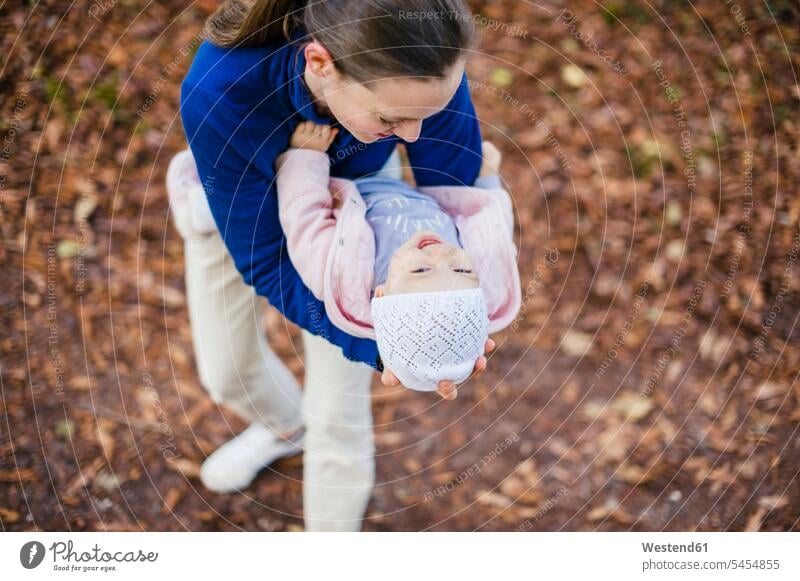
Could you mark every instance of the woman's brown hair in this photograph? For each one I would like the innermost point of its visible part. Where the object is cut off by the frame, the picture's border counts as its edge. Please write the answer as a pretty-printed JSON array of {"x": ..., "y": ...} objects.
[{"x": 367, "y": 39}]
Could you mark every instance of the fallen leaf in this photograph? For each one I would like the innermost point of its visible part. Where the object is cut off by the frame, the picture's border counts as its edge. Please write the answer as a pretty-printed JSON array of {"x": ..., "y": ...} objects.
[
  {"x": 573, "y": 76},
  {"x": 673, "y": 213},
  {"x": 593, "y": 409},
  {"x": 754, "y": 520},
  {"x": 610, "y": 509},
  {"x": 8, "y": 516},
  {"x": 674, "y": 250},
  {"x": 68, "y": 249},
  {"x": 172, "y": 297},
  {"x": 105, "y": 438},
  {"x": 495, "y": 499},
  {"x": 501, "y": 77},
  {"x": 171, "y": 500},
  {"x": 189, "y": 468},
  {"x": 773, "y": 502},
  {"x": 770, "y": 390},
  {"x": 106, "y": 481},
  {"x": 65, "y": 429},
  {"x": 575, "y": 343},
  {"x": 84, "y": 208},
  {"x": 389, "y": 438},
  {"x": 632, "y": 406},
  {"x": 633, "y": 474}
]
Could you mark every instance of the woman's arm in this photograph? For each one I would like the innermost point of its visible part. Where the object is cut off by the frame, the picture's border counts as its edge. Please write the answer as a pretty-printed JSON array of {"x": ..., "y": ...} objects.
[
  {"x": 245, "y": 208},
  {"x": 448, "y": 151}
]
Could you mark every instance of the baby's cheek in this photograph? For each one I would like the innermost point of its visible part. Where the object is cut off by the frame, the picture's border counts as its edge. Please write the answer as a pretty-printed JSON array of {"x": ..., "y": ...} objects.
[
  {"x": 400, "y": 263},
  {"x": 393, "y": 276}
]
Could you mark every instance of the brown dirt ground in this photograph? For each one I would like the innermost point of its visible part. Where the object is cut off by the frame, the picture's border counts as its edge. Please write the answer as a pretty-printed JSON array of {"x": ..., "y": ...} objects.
[{"x": 677, "y": 410}]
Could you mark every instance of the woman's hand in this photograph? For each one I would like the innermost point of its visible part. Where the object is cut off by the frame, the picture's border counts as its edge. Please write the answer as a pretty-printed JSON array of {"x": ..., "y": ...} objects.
[
  {"x": 309, "y": 135},
  {"x": 447, "y": 389}
]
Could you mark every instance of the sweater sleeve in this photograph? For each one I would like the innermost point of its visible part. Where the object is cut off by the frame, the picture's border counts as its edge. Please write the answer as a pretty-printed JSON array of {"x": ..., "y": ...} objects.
[
  {"x": 448, "y": 151},
  {"x": 306, "y": 213},
  {"x": 244, "y": 204},
  {"x": 492, "y": 182}
]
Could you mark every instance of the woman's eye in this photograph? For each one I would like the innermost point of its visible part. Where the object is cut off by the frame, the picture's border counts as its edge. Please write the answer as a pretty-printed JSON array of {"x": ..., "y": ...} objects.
[
  {"x": 418, "y": 270},
  {"x": 462, "y": 270}
]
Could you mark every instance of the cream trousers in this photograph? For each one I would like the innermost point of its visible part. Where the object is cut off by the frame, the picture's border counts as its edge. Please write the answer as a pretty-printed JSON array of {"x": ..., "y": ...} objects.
[{"x": 239, "y": 370}]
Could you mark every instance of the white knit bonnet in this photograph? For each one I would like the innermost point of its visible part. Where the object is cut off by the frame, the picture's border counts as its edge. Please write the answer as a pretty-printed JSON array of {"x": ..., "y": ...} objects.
[{"x": 426, "y": 337}]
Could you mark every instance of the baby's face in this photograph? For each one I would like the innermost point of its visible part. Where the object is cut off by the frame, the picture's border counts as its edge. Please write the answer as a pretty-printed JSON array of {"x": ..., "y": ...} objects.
[{"x": 426, "y": 263}]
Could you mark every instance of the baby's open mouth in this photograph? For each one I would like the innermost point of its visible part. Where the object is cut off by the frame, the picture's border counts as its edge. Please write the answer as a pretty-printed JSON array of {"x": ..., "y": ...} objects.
[{"x": 427, "y": 241}]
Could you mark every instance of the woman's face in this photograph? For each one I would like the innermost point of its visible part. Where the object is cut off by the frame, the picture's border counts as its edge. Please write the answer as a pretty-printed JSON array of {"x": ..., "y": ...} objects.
[{"x": 378, "y": 109}]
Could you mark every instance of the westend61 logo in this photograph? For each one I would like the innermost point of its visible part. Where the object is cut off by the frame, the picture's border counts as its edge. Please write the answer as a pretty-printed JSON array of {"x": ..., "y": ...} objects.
[{"x": 65, "y": 558}]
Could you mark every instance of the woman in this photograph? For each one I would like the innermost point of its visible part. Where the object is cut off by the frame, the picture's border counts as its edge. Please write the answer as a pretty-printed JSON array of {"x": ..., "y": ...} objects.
[{"x": 380, "y": 72}]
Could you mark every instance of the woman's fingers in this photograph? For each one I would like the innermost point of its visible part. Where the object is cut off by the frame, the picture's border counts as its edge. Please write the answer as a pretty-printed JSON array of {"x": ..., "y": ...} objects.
[
  {"x": 480, "y": 366},
  {"x": 389, "y": 379},
  {"x": 447, "y": 389},
  {"x": 480, "y": 362}
]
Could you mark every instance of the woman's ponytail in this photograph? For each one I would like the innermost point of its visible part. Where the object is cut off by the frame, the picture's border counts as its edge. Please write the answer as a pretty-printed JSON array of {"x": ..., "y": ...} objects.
[
  {"x": 367, "y": 39},
  {"x": 253, "y": 22}
]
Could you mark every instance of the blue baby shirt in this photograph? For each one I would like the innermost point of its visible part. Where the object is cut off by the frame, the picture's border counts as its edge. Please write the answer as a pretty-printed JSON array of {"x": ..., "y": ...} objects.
[{"x": 396, "y": 211}]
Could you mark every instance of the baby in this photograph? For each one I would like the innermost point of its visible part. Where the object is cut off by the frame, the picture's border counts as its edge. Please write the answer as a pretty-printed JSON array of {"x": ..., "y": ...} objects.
[{"x": 428, "y": 273}]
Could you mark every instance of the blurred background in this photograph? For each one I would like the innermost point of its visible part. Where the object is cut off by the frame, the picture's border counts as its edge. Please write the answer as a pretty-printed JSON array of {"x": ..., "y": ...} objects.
[{"x": 649, "y": 382}]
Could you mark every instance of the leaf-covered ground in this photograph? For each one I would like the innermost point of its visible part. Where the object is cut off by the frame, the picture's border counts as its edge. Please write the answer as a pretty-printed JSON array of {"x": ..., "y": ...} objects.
[{"x": 649, "y": 383}]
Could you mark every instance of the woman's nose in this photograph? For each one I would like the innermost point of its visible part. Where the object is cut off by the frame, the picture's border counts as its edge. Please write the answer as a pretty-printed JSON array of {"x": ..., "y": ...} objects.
[{"x": 408, "y": 131}]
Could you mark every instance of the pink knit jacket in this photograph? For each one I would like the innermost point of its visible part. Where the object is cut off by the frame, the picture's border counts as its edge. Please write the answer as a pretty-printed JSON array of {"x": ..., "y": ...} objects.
[{"x": 333, "y": 250}]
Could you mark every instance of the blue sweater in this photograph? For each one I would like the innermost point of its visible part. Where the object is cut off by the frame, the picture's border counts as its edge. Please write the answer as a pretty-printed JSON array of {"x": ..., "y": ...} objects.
[{"x": 239, "y": 108}]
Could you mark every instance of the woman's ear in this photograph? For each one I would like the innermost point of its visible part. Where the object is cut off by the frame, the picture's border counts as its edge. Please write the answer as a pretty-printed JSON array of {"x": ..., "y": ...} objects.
[
  {"x": 380, "y": 290},
  {"x": 318, "y": 59}
]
